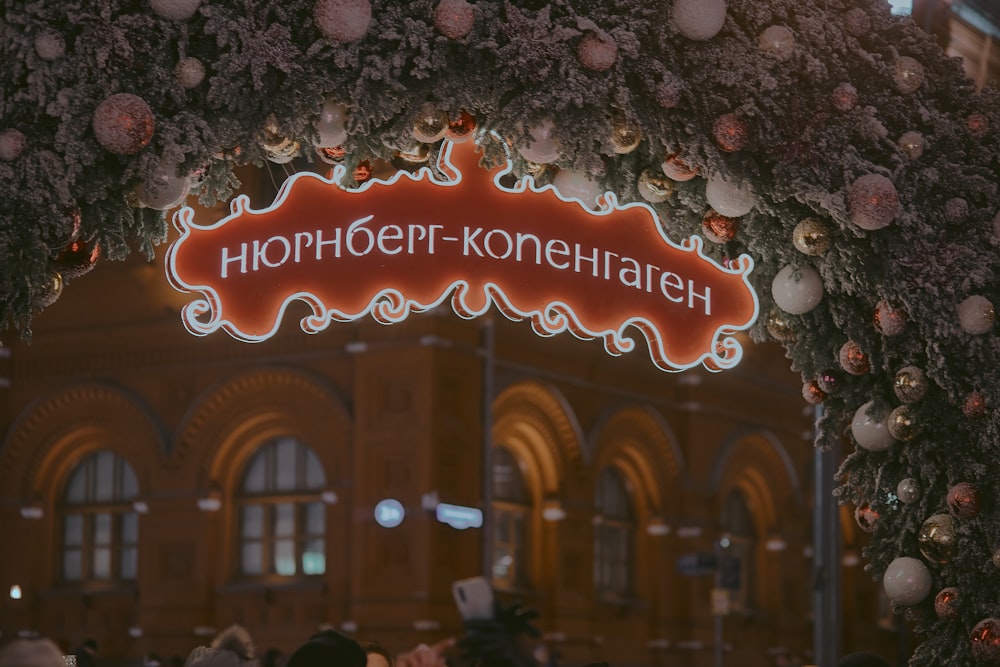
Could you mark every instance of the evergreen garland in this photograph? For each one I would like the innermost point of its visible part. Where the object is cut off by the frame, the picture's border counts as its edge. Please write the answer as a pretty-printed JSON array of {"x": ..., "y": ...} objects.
[{"x": 797, "y": 101}]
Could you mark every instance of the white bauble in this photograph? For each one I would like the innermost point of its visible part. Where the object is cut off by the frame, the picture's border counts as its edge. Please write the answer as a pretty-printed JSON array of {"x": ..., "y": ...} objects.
[
  {"x": 699, "y": 19},
  {"x": 189, "y": 73},
  {"x": 164, "y": 188},
  {"x": 976, "y": 315},
  {"x": 908, "y": 490},
  {"x": 907, "y": 581},
  {"x": 544, "y": 149},
  {"x": 777, "y": 40},
  {"x": 729, "y": 200},
  {"x": 175, "y": 10},
  {"x": 330, "y": 125},
  {"x": 871, "y": 433},
  {"x": 577, "y": 185},
  {"x": 797, "y": 290}
]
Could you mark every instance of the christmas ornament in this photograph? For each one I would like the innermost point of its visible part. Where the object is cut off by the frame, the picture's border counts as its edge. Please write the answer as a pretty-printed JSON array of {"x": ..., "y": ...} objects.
[
  {"x": 853, "y": 359},
  {"x": 871, "y": 432},
  {"x": 654, "y": 189},
  {"x": 12, "y": 144},
  {"x": 907, "y": 490},
  {"x": 866, "y": 517},
  {"x": 889, "y": 319},
  {"x": 812, "y": 393},
  {"x": 907, "y": 74},
  {"x": 331, "y": 154},
  {"x": 976, "y": 315},
  {"x": 856, "y": 22},
  {"x": 872, "y": 202},
  {"x": 573, "y": 184},
  {"x": 974, "y": 405},
  {"x": 164, "y": 188},
  {"x": 189, "y": 73},
  {"x": 844, "y": 97},
  {"x": 936, "y": 538},
  {"x": 417, "y": 154},
  {"x": 278, "y": 148},
  {"x": 903, "y": 423},
  {"x": 50, "y": 45},
  {"x": 123, "y": 123},
  {"x": 946, "y": 603},
  {"x": 49, "y": 292},
  {"x": 963, "y": 501},
  {"x": 677, "y": 170},
  {"x": 543, "y": 149},
  {"x": 719, "y": 228},
  {"x": 362, "y": 172},
  {"x": 978, "y": 125},
  {"x": 828, "y": 381},
  {"x": 797, "y": 290},
  {"x": 431, "y": 124},
  {"x": 910, "y": 384},
  {"x": 730, "y": 132},
  {"x": 668, "y": 91},
  {"x": 699, "y": 19},
  {"x": 77, "y": 259},
  {"x": 912, "y": 144},
  {"x": 343, "y": 21},
  {"x": 907, "y": 581},
  {"x": 625, "y": 136},
  {"x": 461, "y": 129},
  {"x": 777, "y": 41},
  {"x": 779, "y": 326},
  {"x": 729, "y": 199},
  {"x": 175, "y": 10},
  {"x": 596, "y": 53},
  {"x": 330, "y": 124},
  {"x": 534, "y": 169},
  {"x": 811, "y": 237},
  {"x": 454, "y": 18},
  {"x": 985, "y": 642}
]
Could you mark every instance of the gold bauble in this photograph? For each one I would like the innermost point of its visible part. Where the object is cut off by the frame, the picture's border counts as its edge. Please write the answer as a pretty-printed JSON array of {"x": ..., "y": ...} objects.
[
  {"x": 779, "y": 327},
  {"x": 535, "y": 169},
  {"x": 937, "y": 538},
  {"x": 625, "y": 136},
  {"x": 811, "y": 237},
  {"x": 902, "y": 423},
  {"x": 910, "y": 384},
  {"x": 284, "y": 152},
  {"x": 417, "y": 154},
  {"x": 50, "y": 292},
  {"x": 654, "y": 188},
  {"x": 430, "y": 125}
]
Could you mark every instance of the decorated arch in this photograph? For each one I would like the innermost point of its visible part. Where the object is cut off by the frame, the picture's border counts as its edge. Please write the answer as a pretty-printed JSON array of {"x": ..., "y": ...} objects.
[{"x": 832, "y": 142}]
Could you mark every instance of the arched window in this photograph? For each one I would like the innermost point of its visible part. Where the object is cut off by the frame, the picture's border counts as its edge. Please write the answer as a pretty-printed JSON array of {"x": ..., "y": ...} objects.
[
  {"x": 511, "y": 521},
  {"x": 739, "y": 528},
  {"x": 282, "y": 527},
  {"x": 614, "y": 535},
  {"x": 100, "y": 529}
]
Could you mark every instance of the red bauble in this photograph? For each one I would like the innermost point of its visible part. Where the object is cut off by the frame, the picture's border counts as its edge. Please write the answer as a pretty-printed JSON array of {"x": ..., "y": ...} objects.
[
  {"x": 597, "y": 53},
  {"x": 461, "y": 129},
  {"x": 985, "y": 640},
  {"x": 812, "y": 393},
  {"x": 454, "y": 18},
  {"x": 890, "y": 320},
  {"x": 975, "y": 405},
  {"x": 828, "y": 381},
  {"x": 123, "y": 123},
  {"x": 844, "y": 97},
  {"x": 963, "y": 500},
  {"x": 946, "y": 604},
  {"x": 866, "y": 517},
  {"x": 719, "y": 228},
  {"x": 363, "y": 171},
  {"x": 853, "y": 360},
  {"x": 77, "y": 258},
  {"x": 331, "y": 154},
  {"x": 677, "y": 170},
  {"x": 978, "y": 125},
  {"x": 730, "y": 132}
]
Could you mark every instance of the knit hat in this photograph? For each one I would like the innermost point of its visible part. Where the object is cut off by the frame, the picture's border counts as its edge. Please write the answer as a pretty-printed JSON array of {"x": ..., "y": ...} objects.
[
  {"x": 328, "y": 649},
  {"x": 232, "y": 648},
  {"x": 31, "y": 653}
]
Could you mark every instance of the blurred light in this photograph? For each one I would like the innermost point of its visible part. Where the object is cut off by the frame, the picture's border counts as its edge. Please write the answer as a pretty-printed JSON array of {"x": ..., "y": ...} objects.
[
  {"x": 775, "y": 543},
  {"x": 901, "y": 7},
  {"x": 329, "y": 497},
  {"x": 426, "y": 625},
  {"x": 389, "y": 513},
  {"x": 553, "y": 511},
  {"x": 32, "y": 512},
  {"x": 15, "y": 592},
  {"x": 140, "y": 507},
  {"x": 689, "y": 531},
  {"x": 135, "y": 631},
  {"x": 850, "y": 559},
  {"x": 657, "y": 527},
  {"x": 349, "y": 626},
  {"x": 724, "y": 542},
  {"x": 458, "y": 516}
]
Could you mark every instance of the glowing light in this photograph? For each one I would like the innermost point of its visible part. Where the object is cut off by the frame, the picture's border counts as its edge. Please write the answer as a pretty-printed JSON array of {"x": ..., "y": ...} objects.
[
  {"x": 15, "y": 592},
  {"x": 389, "y": 513}
]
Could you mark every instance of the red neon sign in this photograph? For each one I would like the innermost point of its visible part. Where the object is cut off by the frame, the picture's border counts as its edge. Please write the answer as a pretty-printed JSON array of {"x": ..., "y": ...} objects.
[{"x": 406, "y": 245}]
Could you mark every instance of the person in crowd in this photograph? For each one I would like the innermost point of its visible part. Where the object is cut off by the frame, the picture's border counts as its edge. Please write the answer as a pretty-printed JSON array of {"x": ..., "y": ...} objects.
[
  {"x": 31, "y": 653},
  {"x": 232, "y": 648},
  {"x": 273, "y": 657},
  {"x": 328, "y": 649},
  {"x": 435, "y": 655},
  {"x": 86, "y": 654},
  {"x": 863, "y": 659},
  {"x": 378, "y": 655}
]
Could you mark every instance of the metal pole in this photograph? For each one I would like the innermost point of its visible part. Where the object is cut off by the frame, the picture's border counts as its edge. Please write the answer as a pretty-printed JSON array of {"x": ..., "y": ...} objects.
[
  {"x": 718, "y": 617},
  {"x": 827, "y": 601},
  {"x": 489, "y": 380}
]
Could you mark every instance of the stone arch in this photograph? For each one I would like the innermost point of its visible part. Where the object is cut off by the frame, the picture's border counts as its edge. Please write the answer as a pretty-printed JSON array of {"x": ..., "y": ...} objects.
[
  {"x": 643, "y": 446},
  {"x": 226, "y": 425},
  {"x": 536, "y": 421},
  {"x": 764, "y": 454},
  {"x": 56, "y": 431}
]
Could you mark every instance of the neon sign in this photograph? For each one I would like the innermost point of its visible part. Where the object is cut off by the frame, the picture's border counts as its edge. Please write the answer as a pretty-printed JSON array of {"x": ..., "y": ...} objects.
[{"x": 391, "y": 248}]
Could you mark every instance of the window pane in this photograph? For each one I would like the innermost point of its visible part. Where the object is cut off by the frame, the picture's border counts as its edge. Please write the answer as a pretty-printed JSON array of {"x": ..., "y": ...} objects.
[
  {"x": 286, "y": 464},
  {"x": 253, "y": 521},
  {"x": 76, "y": 488},
  {"x": 315, "y": 477},
  {"x": 72, "y": 565},
  {"x": 315, "y": 519},
  {"x": 104, "y": 484},
  {"x": 130, "y": 486},
  {"x": 252, "y": 560},
  {"x": 130, "y": 528},
  {"x": 284, "y": 557},
  {"x": 503, "y": 562},
  {"x": 255, "y": 479},
  {"x": 313, "y": 558},
  {"x": 508, "y": 482},
  {"x": 284, "y": 520},
  {"x": 73, "y": 530},
  {"x": 102, "y": 528},
  {"x": 102, "y": 563},
  {"x": 130, "y": 558}
]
